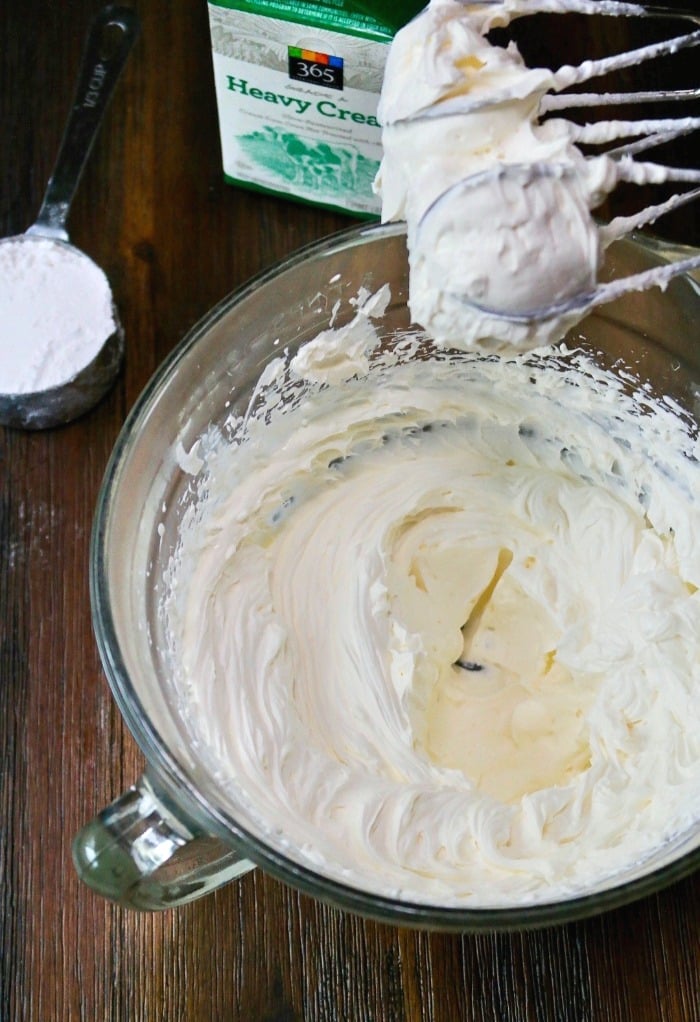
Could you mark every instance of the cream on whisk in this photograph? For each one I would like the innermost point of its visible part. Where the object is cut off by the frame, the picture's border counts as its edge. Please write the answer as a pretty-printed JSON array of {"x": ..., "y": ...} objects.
[{"x": 499, "y": 202}]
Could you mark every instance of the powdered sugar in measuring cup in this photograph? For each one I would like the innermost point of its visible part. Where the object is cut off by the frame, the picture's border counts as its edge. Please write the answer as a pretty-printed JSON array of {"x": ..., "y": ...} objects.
[
  {"x": 56, "y": 311},
  {"x": 61, "y": 342}
]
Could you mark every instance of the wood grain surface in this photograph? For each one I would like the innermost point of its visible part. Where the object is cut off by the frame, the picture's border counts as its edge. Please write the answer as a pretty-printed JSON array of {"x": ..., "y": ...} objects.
[{"x": 174, "y": 239}]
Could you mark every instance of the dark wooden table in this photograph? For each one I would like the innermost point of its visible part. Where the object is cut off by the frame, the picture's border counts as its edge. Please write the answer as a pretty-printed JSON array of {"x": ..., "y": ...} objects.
[{"x": 154, "y": 212}]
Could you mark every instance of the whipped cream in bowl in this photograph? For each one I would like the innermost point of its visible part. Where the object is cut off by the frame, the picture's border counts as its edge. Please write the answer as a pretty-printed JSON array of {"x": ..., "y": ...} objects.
[{"x": 414, "y": 627}]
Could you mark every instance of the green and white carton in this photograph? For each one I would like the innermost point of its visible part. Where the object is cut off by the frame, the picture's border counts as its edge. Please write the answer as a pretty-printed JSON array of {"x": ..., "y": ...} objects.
[{"x": 297, "y": 87}]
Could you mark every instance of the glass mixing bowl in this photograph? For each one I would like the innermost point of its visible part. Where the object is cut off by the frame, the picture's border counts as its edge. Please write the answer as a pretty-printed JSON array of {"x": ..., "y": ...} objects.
[{"x": 172, "y": 837}]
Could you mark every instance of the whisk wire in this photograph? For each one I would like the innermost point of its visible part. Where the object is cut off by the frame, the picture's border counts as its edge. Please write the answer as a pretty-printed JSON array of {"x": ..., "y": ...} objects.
[{"x": 644, "y": 134}]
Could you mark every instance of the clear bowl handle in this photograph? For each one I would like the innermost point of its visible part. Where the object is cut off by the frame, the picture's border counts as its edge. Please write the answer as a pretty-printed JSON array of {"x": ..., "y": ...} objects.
[{"x": 137, "y": 853}]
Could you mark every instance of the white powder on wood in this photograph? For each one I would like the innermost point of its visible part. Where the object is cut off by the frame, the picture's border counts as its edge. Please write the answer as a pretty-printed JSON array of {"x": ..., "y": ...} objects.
[{"x": 55, "y": 314}]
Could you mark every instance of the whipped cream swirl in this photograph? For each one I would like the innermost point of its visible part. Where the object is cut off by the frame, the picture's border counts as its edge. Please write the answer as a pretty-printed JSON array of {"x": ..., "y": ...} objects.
[{"x": 436, "y": 625}]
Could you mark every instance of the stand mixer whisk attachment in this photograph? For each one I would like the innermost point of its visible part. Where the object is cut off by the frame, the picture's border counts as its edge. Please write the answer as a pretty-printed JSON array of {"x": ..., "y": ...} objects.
[{"x": 553, "y": 185}]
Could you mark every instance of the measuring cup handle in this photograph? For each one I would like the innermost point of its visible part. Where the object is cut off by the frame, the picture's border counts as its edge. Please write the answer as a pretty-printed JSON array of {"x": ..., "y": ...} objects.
[
  {"x": 138, "y": 853},
  {"x": 108, "y": 43}
]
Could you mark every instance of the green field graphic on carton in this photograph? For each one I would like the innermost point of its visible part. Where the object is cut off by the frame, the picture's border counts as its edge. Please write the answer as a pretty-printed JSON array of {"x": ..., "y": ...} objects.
[{"x": 316, "y": 166}]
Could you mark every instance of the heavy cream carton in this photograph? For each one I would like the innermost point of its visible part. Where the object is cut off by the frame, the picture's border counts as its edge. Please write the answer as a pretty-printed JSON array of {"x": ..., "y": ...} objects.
[{"x": 297, "y": 87}]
